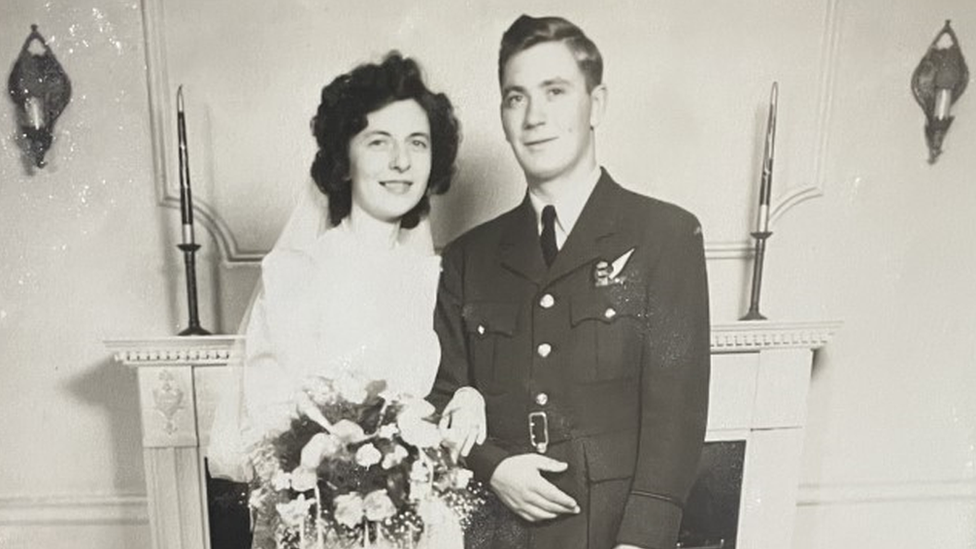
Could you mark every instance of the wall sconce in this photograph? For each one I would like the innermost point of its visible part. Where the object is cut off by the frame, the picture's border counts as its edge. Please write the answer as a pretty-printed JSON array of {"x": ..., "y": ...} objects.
[
  {"x": 41, "y": 90},
  {"x": 938, "y": 82}
]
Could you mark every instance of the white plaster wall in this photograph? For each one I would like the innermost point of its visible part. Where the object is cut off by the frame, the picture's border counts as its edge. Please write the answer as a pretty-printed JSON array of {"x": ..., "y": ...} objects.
[
  {"x": 890, "y": 457},
  {"x": 82, "y": 257},
  {"x": 86, "y": 252}
]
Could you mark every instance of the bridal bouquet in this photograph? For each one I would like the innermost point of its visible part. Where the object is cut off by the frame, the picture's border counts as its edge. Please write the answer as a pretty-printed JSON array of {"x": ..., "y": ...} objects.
[{"x": 360, "y": 467}]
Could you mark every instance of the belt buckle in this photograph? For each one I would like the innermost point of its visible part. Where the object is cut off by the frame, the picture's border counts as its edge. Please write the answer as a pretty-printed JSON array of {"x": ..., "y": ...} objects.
[{"x": 538, "y": 421}]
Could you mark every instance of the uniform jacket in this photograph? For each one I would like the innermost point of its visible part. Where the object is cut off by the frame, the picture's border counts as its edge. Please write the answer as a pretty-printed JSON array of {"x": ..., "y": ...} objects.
[{"x": 617, "y": 360}]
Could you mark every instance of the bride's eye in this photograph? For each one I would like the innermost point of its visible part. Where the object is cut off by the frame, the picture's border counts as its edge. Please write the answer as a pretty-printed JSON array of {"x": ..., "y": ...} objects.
[
  {"x": 378, "y": 143},
  {"x": 419, "y": 143}
]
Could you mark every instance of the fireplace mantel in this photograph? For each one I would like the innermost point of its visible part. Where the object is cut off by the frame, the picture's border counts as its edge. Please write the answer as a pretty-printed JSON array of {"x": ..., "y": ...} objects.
[
  {"x": 218, "y": 350},
  {"x": 760, "y": 380}
]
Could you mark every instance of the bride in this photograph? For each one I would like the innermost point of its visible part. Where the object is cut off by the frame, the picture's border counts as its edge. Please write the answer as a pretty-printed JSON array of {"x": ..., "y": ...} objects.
[{"x": 350, "y": 285}]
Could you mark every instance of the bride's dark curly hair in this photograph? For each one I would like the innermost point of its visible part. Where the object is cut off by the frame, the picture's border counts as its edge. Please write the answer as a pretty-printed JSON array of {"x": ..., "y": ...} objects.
[{"x": 342, "y": 114}]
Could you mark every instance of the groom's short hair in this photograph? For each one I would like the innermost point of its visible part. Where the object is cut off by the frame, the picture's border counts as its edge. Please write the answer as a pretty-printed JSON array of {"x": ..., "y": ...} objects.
[{"x": 529, "y": 31}]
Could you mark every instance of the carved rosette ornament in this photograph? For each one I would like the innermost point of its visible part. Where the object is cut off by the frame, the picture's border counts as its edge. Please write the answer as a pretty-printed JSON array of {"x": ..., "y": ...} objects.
[{"x": 168, "y": 400}]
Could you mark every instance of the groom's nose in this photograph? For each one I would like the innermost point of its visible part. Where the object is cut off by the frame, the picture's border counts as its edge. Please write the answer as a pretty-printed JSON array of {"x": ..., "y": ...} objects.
[{"x": 535, "y": 113}]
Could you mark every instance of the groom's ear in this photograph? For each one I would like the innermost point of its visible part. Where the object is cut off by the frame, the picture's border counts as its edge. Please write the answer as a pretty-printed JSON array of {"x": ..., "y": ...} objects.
[{"x": 598, "y": 105}]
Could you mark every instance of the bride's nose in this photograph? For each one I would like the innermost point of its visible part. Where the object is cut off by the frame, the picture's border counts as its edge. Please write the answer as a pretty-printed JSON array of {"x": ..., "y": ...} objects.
[{"x": 400, "y": 158}]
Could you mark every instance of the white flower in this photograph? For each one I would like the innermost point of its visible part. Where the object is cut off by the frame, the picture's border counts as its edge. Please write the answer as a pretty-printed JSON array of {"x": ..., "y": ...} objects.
[
  {"x": 368, "y": 455},
  {"x": 257, "y": 499},
  {"x": 387, "y": 431},
  {"x": 293, "y": 513},
  {"x": 420, "y": 477},
  {"x": 419, "y": 471},
  {"x": 348, "y": 432},
  {"x": 418, "y": 432},
  {"x": 417, "y": 407},
  {"x": 303, "y": 479},
  {"x": 378, "y": 506},
  {"x": 319, "y": 447},
  {"x": 320, "y": 390},
  {"x": 281, "y": 480},
  {"x": 351, "y": 388},
  {"x": 460, "y": 478},
  {"x": 349, "y": 509},
  {"x": 394, "y": 458}
]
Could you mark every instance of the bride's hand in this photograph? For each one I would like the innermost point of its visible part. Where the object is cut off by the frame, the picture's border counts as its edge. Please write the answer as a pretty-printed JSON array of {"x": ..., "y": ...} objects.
[{"x": 463, "y": 421}]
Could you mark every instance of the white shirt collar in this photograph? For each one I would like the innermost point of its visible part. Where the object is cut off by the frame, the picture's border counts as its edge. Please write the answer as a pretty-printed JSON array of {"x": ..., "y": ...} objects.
[{"x": 569, "y": 206}]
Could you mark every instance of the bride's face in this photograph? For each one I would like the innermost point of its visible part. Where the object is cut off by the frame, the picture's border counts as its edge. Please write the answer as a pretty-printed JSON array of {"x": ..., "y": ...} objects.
[{"x": 389, "y": 161}]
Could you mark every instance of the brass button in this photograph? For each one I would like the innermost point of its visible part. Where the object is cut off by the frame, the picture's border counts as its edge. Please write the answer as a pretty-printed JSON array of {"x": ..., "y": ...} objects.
[
  {"x": 547, "y": 301},
  {"x": 544, "y": 349},
  {"x": 541, "y": 399},
  {"x": 481, "y": 329},
  {"x": 609, "y": 313}
]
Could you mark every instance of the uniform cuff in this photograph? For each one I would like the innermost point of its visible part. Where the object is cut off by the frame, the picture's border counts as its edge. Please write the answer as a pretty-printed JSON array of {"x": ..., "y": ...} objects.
[
  {"x": 483, "y": 460},
  {"x": 650, "y": 522}
]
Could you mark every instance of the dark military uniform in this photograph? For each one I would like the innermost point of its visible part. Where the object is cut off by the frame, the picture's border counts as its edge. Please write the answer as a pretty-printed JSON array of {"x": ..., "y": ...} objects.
[{"x": 607, "y": 371}]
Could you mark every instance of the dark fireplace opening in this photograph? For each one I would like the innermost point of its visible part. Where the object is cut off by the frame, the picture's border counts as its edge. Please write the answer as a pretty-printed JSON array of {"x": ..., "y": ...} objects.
[
  {"x": 228, "y": 513},
  {"x": 711, "y": 517}
]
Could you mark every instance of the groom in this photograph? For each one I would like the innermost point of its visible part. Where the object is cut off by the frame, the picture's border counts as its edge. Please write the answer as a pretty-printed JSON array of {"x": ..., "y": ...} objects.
[{"x": 582, "y": 317}]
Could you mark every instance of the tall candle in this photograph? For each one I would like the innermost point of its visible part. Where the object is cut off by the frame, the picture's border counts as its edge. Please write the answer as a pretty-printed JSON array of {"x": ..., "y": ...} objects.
[
  {"x": 765, "y": 187},
  {"x": 186, "y": 197},
  {"x": 35, "y": 112},
  {"x": 943, "y": 102}
]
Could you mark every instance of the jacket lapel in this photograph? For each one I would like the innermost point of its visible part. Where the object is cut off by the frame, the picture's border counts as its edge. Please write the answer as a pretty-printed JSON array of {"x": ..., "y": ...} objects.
[
  {"x": 598, "y": 233},
  {"x": 520, "y": 249}
]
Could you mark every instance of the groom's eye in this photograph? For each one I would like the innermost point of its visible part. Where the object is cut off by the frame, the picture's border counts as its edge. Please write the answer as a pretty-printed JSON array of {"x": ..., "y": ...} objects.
[
  {"x": 555, "y": 92},
  {"x": 377, "y": 143},
  {"x": 514, "y": 100}
]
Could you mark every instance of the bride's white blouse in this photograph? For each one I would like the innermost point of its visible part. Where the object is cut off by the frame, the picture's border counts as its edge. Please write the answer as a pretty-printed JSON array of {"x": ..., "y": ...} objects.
[{"x": 336, "y": 306}]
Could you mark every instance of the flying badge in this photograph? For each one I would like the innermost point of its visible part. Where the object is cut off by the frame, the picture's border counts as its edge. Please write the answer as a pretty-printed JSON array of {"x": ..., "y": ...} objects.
[
  {"x": 606, "y": 272},
  {"x": 601, "y": 273}
]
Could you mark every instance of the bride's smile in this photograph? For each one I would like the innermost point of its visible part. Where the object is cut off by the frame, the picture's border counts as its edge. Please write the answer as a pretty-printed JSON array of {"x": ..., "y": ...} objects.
[{"x": 397, "y": 186}]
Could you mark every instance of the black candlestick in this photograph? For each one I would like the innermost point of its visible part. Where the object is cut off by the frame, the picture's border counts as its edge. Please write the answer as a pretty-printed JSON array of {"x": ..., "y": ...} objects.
[
  {"x": 189, "y": 245},
  {"x": 757, "y": 269},
  {"x": 189, "y": 251}
]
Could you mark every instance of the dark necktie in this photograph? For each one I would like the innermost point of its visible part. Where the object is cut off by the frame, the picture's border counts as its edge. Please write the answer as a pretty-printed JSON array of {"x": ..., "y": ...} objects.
[{"x": 548, "y": 237}]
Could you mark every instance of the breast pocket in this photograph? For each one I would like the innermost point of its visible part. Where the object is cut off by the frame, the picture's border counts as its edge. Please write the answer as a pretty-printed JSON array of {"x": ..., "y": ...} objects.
[
  {"x": 614, "y": 320},
  {"x": 490, "y": 327}
]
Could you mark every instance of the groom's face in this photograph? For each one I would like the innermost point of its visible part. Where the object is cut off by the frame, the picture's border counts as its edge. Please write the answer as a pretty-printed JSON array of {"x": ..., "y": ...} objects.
[{"x": 547, "y": 112}]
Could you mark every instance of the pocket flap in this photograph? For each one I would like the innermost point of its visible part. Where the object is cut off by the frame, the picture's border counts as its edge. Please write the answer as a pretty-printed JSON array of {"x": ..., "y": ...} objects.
[
  {"x": 611, "y": 455},
  {"x": 605, "y": 305},
  {"x": 490, "y": 317}
]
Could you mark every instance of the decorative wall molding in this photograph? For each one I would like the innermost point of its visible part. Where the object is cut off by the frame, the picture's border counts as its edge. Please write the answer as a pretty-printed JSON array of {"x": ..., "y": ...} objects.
[
  {"x": 164, "y": 149},
  {"x": 218, "y": 350},
  {"x": 828, "y": 64},
  {"x": 765, "y": 335},
  {"x": 743, "y": 249},
  {"x": 74, "y": 509},
  {"x": 913, "y": 491},
  {"x": 176, "y": 351}
]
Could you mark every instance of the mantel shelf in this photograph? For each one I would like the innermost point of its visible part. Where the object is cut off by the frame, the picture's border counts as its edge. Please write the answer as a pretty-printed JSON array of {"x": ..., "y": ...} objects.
[{"x": 217, "y": 350}]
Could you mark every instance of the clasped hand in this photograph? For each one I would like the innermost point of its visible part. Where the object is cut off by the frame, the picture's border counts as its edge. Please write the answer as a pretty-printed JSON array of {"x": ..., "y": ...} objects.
[{"x": 519, "y": 483}]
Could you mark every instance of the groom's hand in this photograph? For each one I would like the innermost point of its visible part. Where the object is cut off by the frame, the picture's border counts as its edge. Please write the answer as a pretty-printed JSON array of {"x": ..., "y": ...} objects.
[{"x": 520, "y": 485}]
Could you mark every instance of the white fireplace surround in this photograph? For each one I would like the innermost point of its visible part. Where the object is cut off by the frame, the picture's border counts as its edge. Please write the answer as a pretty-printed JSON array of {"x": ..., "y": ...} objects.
[{"x": 760, "y": 380}]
